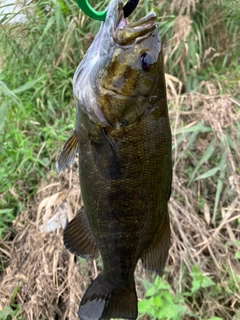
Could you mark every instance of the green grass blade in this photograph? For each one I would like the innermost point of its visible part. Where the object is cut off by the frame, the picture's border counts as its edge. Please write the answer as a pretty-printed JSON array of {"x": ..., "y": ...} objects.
[
  {"x": 208, "y": 174},
  {"x": 199, "y": 127},
  {"x": 28, "y": 85},
  {"x": 206, "y": 155},
  {"x": 3, "y": 110},
  {"x": 10, "y": 94},
  {"x": 222, "y": 168}
]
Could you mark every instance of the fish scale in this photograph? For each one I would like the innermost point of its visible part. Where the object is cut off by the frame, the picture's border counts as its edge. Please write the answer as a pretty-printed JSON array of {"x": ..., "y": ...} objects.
[{"x": 125, "y": 169}]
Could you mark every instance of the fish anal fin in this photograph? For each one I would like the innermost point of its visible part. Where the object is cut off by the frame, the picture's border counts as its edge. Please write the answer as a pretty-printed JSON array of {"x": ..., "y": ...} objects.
[
  {"x": 78, "y": 238},
  {"x": 105, "y": 300},
  {"x": 68, "y": 153},
  {"x": 155, "y": 256}
]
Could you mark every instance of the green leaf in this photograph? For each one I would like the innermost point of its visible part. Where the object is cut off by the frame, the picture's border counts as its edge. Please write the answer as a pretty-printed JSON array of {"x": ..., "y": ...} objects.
[
  {"x": 207, "y": 282},
  {"x": 222, "y": 168},
  {"x": 28, "y": 85},
  {"x": 144, "y": 305},
  {"x": 199, "y": 280},
  {"x": 206, "y": 155},
  {"x": 157, "y": 301},
  {"x": 237, "y": 255},
  {"x": 208, "y": 174},
  {"x": 196, "y": 285},
  {"x": 10, "y": 94},
  {"x": 151, "y": 292},
  {"x": 199, "y": 127},
  {"x": 3, "y": 109},
  {"x": 147, "y": 285},
  {"x": 6, "y": 313}
]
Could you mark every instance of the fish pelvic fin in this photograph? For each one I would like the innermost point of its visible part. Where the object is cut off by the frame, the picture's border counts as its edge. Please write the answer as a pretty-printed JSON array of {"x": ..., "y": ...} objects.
[
  {"x": 104, "y": 300},
  {"x": 155, "y": 256},
  {"x": 68, "y": 153},
  {"x": 78, "y": 237}
]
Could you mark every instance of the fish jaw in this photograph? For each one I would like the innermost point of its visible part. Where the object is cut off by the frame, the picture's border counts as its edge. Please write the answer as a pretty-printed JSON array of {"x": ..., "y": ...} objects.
[
  {"x": 94, "y": 94},
  {"x": 85, "y": 89}
]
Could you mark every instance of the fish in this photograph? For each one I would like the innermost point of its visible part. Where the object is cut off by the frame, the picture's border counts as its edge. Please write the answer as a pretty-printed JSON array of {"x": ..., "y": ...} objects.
[{"x": 123, "y": 140}]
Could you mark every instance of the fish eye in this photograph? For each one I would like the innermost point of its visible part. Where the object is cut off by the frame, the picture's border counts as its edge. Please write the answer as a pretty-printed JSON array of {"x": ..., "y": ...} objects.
[{"x": 147, "y": 59}]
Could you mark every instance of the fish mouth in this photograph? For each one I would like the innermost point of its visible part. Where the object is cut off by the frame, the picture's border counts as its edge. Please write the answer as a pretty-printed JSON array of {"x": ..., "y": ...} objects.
[
  {"x": 117, "y": 30},
  {"x": 123, "y": 32},
  {"x": 127, "y": 33}
]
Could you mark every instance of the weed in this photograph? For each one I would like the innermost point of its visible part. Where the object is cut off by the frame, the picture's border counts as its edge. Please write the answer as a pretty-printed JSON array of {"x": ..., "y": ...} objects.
[
  {"x": 160, "y": 303},
  {"x": 6, "y": 217},
  {"x": 13, "y": 311},
  {"x": 201, "y": 46}
]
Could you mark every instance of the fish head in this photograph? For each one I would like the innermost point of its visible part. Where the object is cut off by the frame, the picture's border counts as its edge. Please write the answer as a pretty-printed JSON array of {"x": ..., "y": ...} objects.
[{"x": 120, "y": 72}]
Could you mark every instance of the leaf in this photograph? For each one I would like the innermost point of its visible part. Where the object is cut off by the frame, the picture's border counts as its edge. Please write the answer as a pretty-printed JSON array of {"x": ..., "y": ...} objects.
[
  {"x": 8, "y": 93},
  {"x": 147, "y": 285},
  {"x": 180, "y": 139},
  {"x": 48, "y": 26},
  {"x": 147, "y": 306},
  {"x": 27, "y": 85},
  {"x": 196, "y": 285},
  {"x": 171, "y": 310},
  {"x": 222, "y": 168},
  {"x": 143, "y": 306},
  {"x": 237, "y": 255},
  {"x": 199, "y": 280},
  {"x": 208, "y": 174},
  {"x": 151, "y": 292},
  {"x": 163, "y": 285},
  {"x": 6, "y": 312},
  {"x": 199, "y": 127},
  {"x": 158, "y": 301},
  {"x": 207, "y": 282},
  {"x": 206, "y": 155},
  {"x": 3, "y": 109}
]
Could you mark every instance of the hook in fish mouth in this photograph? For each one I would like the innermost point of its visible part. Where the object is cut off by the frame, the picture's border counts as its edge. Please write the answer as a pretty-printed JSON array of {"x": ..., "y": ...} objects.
[
  {"x": 126, "y": 33},
  {"x": 117, "y": 27}
]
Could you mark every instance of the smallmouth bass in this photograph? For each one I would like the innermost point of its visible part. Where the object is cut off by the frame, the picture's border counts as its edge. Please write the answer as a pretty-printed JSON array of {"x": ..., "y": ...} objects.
[{"x": 125, "y": 168}]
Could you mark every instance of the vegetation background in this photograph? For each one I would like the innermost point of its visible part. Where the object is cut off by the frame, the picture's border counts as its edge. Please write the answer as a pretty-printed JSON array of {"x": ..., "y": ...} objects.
[{"x": 201, "y": 42}]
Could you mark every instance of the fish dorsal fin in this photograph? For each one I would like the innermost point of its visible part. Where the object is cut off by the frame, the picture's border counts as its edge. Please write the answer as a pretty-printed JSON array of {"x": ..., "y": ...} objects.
[
  {"x": 155, "y": 256},
  {"x": 105, "y": 155},
  {"x": 78, "y": 237},
  {"x": 68, "y": 153}
]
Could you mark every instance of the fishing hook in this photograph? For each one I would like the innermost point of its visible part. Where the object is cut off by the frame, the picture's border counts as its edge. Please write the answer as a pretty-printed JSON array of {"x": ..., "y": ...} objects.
[{"x": 89, "y": 11}]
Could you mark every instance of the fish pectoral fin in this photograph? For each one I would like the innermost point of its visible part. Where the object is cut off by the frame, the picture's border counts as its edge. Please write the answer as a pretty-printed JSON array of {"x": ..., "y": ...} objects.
[
  {"x": 155, "y": 256},
  {"x": 78, "y": 237},
  {"x": 105, "y": 155},
  {"x": 68, "y": 153}
]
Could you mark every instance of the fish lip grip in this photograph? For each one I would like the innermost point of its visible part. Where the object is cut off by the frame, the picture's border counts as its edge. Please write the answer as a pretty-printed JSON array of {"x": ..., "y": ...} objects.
[
  {"x": 84, "y": 5},
  {"x": 89, "y": 11}
]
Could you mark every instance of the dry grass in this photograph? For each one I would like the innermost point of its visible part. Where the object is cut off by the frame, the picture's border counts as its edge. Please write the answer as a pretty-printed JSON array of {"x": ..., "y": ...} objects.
[{"x": 50, "y": 282}]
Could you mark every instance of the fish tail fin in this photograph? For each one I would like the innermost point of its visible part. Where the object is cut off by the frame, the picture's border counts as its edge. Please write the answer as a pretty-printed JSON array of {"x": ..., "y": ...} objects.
[{"x": 105, "y": 300}]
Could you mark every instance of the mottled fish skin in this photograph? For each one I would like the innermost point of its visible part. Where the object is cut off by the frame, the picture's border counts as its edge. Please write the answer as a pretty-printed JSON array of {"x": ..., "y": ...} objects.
[{"x": 125, "y": 165}]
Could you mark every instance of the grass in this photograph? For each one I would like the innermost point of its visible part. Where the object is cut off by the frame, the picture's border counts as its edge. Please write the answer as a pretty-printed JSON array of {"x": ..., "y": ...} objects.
[
  {"x": 37, "y": 96},
  {"x": 37, "y": 113}
]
